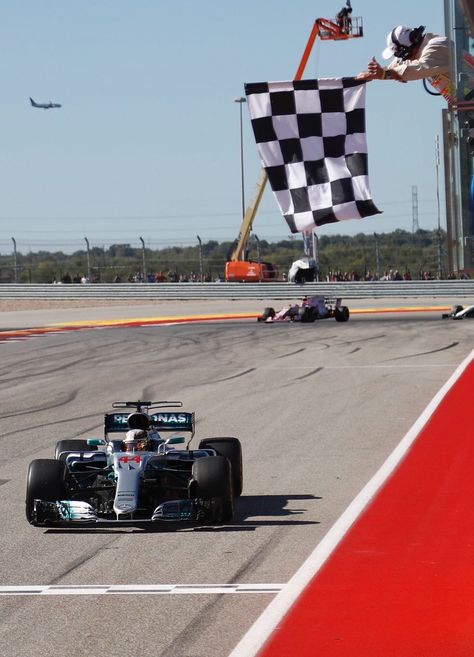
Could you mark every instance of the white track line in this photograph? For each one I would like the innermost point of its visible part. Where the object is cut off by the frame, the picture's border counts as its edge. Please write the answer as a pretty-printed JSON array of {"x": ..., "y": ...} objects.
[
  {"x": 259, "y": 632},
  {"x": 140, "y": 589}
]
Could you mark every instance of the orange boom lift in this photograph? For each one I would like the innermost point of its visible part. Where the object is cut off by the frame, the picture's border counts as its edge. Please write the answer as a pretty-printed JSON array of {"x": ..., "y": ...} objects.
[{"x": 237, "y": 269}]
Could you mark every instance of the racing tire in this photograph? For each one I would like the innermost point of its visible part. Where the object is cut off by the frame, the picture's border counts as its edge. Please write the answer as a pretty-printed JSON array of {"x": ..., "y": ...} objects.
[
  {"x": 267, "y": 312},
  {"x": 213, "y": 477},
  {"x": 341, "y": 314},
  {"x": 231, "y": 449},
  {"x": 46, "y": 481},
  {"x": 307, "y": 314},
  {"x": 64, "y": 446}
]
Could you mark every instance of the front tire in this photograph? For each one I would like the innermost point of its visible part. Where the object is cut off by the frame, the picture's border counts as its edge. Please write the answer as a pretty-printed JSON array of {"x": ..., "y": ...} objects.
[
  {"x": 213, "y": 477},
  {"x": 231, "y": 449},
  {"x": 267, "y": 312},
  {"x": 46, "y": 481}
]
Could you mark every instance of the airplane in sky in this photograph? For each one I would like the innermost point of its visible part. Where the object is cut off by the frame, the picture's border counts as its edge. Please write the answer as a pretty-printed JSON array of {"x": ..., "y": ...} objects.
[{"x": 49, "y": 105}]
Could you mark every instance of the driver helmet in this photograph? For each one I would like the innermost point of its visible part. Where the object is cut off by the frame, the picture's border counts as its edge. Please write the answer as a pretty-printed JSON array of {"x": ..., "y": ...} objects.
[{"x": 136, "y": 440}]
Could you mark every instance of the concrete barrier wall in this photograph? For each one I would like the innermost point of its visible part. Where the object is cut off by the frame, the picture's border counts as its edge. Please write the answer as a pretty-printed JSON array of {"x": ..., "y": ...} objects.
[{"x": 187, "y": 291}]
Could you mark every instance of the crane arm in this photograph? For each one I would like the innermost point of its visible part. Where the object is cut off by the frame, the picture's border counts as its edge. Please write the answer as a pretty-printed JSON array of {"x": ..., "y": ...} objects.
[{"x": 249, "y": 216}]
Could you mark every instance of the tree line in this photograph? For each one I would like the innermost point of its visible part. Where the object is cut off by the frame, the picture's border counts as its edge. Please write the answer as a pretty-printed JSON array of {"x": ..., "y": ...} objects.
[{"x": 401, "y": 253}]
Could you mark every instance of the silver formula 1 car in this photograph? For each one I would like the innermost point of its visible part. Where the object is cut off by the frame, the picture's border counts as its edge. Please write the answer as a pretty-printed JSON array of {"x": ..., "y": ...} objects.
[
  {"x": 309, "y": 310},
  {"x": 135, "y": 474},
  {"x": 460, "y": 312}
]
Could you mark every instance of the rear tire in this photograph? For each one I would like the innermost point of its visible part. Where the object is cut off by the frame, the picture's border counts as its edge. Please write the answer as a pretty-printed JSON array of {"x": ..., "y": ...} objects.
[
  {"x": 213, "y": 477},
  {"x": 46, "y": 481},
  {"x": 72, "y": 446},
  {"x": 231, "y": 449},
  {"x": 341, "y": 314}
]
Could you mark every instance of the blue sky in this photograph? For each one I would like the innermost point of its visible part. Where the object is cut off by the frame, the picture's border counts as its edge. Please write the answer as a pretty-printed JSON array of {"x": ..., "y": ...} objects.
[{"x": 147, "y": 142}]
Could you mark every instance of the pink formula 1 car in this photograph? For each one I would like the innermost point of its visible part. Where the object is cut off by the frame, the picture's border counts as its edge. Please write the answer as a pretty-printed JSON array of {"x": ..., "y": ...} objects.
[{"x": 309, "y": 310}]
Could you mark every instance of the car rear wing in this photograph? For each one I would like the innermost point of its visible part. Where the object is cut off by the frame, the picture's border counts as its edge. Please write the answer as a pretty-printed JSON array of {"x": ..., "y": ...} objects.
[
  {"x": 163, "y": 421},
  {"x": 329, "y": 300}
]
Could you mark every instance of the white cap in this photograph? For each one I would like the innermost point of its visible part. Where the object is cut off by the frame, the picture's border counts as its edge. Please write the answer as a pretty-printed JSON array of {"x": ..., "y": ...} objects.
[{"x": 401, "y": 34}]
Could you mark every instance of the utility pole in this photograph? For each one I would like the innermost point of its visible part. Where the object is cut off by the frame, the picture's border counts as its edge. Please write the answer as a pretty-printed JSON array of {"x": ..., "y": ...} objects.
[
  {"x": 200, "y": 258},
  {"x": 241, "y": 100},
  {"x": 440, "y": 251},
  {"x": 88, "y": 260},
  {"x": 307, "y": 244},
  {"x": 316, "y": 254},
  {"x": 15, "y": 262},
  {"x": 144, "y": 260}
]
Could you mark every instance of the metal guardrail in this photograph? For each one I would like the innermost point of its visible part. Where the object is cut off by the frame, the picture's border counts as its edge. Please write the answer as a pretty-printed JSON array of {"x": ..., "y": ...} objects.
[{"x": 453, "y": 289}]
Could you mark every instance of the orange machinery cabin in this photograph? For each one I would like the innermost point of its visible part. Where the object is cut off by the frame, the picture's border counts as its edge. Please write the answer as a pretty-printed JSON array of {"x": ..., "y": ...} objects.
[{"x": 245, "y": 271}]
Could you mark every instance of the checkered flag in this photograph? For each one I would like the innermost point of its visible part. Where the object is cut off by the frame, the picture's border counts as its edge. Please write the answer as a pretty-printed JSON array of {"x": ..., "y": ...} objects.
[{"x": 310, "y": 136}]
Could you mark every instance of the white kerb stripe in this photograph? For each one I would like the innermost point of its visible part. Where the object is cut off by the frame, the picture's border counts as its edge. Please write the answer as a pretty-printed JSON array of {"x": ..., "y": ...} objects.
[{"x": 139, "y": 589}]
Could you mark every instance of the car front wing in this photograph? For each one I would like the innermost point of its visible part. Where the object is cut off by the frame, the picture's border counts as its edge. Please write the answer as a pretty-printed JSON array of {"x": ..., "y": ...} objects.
[{"x": 73, "y": 512}]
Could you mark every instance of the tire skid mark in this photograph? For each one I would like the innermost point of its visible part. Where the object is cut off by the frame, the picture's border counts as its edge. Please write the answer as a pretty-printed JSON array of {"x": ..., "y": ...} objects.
[
  {"x": 349, "y": 342},
  {"x": 43, "y": 407},
  {"x": 292, "y": 353},
  {"x": 64, "y": 421},
  {"x": 30, "y": 375},
  {"x": 77, "y": 563},
  {"x": 423, "y": 353},
  {"x": 235, "y": 376},
  {"x": 305, "y": 376}
]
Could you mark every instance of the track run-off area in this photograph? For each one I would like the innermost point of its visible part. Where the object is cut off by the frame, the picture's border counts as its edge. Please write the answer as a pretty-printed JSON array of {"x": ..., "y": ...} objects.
[{"x": 353, "y": 535}]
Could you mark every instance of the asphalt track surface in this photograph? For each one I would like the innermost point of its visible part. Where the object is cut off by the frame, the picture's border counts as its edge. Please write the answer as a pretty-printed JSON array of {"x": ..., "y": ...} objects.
[{"x": 318, "y": 409}]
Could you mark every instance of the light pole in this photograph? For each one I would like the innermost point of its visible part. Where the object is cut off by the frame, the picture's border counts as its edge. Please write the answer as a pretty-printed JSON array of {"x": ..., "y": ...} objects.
[
  {"x": 88, "y": 260},
  {"x": 316, "y": 254},
  {"x": 144, "y": 259},
  {"x": 200, "y": 258},
  {"x": 241, "y": 100},
  {"x": 440, "y": 253},
  {"x": 15, "y": 262}
]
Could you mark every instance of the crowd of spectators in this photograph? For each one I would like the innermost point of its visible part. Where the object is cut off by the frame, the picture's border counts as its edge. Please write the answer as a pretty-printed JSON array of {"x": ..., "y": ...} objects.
[
  {"x": 169, "y": 276},
  {"x": 391, "y": 275},
  {"x": 172, "y": 276}
]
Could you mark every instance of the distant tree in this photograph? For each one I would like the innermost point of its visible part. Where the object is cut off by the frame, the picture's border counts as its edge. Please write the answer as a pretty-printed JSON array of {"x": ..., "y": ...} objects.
[{"x": 396, "y": 250}]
